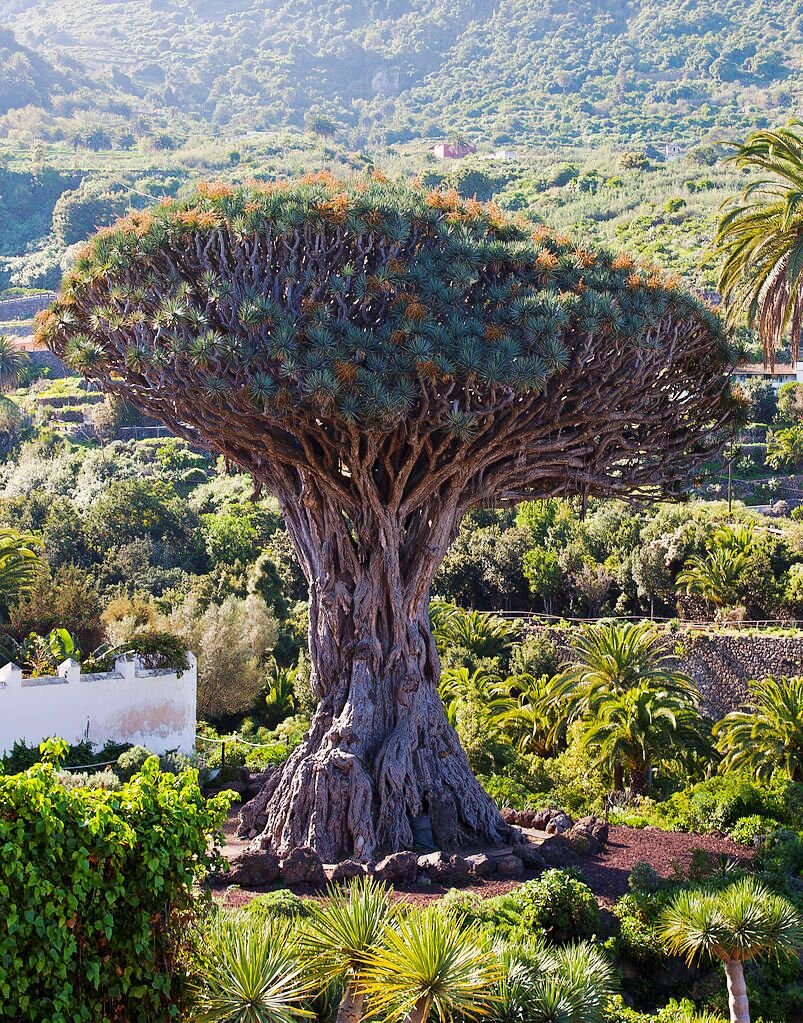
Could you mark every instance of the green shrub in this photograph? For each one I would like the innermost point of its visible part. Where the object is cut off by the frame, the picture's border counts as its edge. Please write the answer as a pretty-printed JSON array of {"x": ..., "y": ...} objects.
[
  {"x": 94, "y": 884},
  {"x": 90, "y": 780},
  {"x": 747, "y": 829},
  {"x": 132, "y": 761},
  {"x": 277, "y": 904},
  {"x": 558, "y": 904},
  {"x": 271, "y": 753}
]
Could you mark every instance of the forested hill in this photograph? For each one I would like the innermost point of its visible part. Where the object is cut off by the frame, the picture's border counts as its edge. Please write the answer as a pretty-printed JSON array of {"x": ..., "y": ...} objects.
[{"x": 497, "y": 70}]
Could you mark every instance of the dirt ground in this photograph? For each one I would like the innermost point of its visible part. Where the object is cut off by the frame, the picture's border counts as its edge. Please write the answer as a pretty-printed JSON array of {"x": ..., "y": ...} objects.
[{"x": 606, "y": 873}]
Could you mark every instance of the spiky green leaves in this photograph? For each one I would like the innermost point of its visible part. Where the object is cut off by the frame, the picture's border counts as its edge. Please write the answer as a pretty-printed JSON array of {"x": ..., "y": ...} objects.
[{"x": 349, "y": 298}]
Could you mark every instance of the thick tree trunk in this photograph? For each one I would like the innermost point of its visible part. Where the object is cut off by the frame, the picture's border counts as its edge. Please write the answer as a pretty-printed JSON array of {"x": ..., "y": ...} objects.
[
  {"x": 380, "y": 769},
  {"x": 737, "y": 991}
]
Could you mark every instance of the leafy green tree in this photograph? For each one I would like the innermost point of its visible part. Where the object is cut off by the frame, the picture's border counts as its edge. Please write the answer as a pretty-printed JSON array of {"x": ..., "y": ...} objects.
[
  {"x": 383, "y": 360},
  {"x": 544, "y": 575},
  {"x": 785, "y": 448},
  {"x": 790, "y": 403},
  {"x": 768, "y": 735},
  {"x": 760, "y": 239},
  {"x": 733, "y": 925}
]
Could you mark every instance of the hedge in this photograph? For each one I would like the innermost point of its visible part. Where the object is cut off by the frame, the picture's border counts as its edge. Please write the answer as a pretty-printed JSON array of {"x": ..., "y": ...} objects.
[{"x": 93, "y": 888}]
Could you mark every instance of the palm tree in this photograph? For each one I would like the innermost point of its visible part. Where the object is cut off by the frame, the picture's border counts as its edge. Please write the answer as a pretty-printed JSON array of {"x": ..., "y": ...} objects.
[
  {"x": 532, "y": 721},
  {"x": 481, "y": 688},
  {"x": 482, "y": 634},
  {"x": 760, "y": 239},
  {"x": 785, "y": 448},
  {"x": 12, "y": 364},
  {"x": 768, "y": 735},
  {"x": 428, "y": 964},
  {"x": 341, "y": 935},
  {"x": 630, "y": 731},
  {"x": 714, "y": 576},
  {"x": 733, "y": 925},
  {"x": 611, "y": 658},
  {"x": 542, "y": 984},
  {"x": 19, "y": 560},
  {"x": 247, "y": 971}
]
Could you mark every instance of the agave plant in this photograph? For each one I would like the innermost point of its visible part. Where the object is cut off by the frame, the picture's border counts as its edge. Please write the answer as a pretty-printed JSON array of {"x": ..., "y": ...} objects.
[
  {"x": 248, "y": 971},
  {"x": 733, "y": 925},
  {"x": 428, "y": 965},
  {"x": 341, "y": 935}
]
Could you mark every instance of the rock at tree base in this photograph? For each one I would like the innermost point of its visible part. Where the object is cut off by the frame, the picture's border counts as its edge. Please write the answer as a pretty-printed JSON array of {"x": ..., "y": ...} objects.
[
  {"x": 303, "y": 865},
  {"x": 509, "y": 867},
  {"x": 252, "y": 867},
  {"x": 481, "y": 866},
  {"x": 398, "y": 868},
  {"x": 348, "y": 870},
  {"x": 557, "y": 851},
  {"x": 530, "y": 856},
  {"x": 444, "y": 868},
  {"x": 588, "y": 836}
]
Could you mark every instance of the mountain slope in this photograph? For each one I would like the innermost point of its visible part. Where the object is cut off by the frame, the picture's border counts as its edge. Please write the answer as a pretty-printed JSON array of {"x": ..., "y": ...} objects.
[{"x": 564, "y": 70}]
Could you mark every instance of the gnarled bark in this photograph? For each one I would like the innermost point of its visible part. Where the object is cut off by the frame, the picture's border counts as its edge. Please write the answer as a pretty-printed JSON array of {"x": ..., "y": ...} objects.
[{"x": 380, "y": 767}]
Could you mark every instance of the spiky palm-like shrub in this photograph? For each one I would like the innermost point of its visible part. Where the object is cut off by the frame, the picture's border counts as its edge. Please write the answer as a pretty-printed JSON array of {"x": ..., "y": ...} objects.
[
  {"x": 19, "y": 560},
  {"x": 430, "y": 967},
  {"x": 340, "y": 936},
  {"x": 734, "y": 925},
  {"x": 248, "y": 971}
]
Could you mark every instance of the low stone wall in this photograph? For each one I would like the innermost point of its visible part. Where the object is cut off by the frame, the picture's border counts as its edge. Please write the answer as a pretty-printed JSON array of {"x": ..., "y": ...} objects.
[
  {"x": 722, "y": 665},
  {"x": 155, "y": 709}
]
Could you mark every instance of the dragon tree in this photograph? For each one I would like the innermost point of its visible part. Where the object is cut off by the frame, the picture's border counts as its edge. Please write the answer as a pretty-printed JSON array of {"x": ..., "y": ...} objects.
[{"x": 383, "y": 360}]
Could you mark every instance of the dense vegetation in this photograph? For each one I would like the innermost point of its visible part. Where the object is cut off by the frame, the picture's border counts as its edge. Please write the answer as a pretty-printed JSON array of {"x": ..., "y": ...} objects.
[{"x": 630, "y": 72}]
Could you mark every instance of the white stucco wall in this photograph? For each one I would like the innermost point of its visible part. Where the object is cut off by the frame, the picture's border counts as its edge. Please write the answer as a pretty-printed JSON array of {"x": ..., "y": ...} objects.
[{"x": 153, "y": 708}]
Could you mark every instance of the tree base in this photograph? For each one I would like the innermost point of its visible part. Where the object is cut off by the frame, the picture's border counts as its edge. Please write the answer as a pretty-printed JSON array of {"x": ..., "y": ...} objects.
[{"x": 349, "y": 793}]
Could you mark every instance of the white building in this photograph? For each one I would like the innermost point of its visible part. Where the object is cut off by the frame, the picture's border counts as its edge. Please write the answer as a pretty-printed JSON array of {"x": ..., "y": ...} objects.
[{"x": 784, "y": 373}]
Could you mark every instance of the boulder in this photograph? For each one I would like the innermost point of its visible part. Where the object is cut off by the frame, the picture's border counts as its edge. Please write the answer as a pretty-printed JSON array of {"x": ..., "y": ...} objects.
[
  {"x": 557, "y": 851},
  {"x": 443, "y": 868},
  {"x": 509, "y": 867},
  {"x": 398, "y": 868},
  {"x": 253, "y": 868},
  {"x": 348, "y": 870},
  {"x": 531, "y": 857},
  {"x": 559, "y": 824},
  {"x": 303, "y": 865},
  {"x": 588, "y": 835},
  {"x": 480, "y": 865}
]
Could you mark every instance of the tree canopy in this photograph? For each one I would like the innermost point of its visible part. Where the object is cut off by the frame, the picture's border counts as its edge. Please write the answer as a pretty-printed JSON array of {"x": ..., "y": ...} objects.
[{"x": 252, "y": 316}]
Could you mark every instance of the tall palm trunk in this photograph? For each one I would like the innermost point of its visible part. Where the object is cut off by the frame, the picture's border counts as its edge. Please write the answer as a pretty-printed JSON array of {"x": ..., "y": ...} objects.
[
  {"x": 351, "y": 1005},
  {"x": 737, "y": 991}
]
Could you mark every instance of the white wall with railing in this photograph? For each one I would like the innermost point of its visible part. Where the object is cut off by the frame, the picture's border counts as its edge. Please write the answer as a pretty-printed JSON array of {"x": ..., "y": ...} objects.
[{"x": 153, "y": 708}]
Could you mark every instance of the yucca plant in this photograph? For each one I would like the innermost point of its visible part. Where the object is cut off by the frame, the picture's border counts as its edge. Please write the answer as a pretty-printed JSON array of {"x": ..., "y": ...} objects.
[
  {"x": 768, "y": 735},
  {"x": 340, "y": 936},
  {"x": 248, "y": 971},
  {"x": 733, "y": 925},
  {"x": 543, "y": 984},
  {"x": 428, "y": 966}
]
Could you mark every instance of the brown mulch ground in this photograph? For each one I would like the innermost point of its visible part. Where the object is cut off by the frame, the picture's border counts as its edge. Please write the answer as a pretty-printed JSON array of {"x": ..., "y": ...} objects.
[{"x": 606, "y": 874}]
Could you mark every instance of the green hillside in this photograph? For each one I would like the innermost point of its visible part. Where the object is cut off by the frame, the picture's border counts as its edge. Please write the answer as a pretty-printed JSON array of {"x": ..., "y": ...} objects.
[{"x": 389, "y": 70}]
